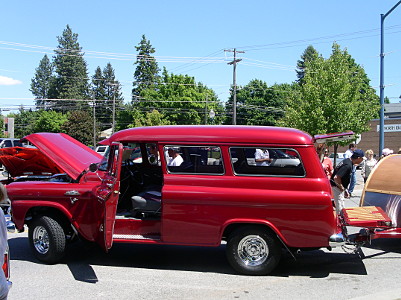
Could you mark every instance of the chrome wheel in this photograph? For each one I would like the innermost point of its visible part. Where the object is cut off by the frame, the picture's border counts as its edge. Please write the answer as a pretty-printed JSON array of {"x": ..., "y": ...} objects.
[
  {"x": 253, "y": 250},
  {"x": 40, "y": 238}
]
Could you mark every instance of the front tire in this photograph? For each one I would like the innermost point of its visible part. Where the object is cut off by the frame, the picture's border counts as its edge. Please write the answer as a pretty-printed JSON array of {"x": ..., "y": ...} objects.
[
  {"x": 47, "y": 239},
  {"x": 253, "y": 251}
]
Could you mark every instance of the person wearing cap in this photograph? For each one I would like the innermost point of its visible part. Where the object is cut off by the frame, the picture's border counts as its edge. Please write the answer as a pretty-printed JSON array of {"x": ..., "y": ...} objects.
[{"x": 341, "y": 178}]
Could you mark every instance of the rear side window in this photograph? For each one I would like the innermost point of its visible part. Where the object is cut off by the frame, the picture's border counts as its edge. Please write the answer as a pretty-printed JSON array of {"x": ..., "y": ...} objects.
[
  {"x": 266, "y": 161},
  {"x": 194, "y": 159}
]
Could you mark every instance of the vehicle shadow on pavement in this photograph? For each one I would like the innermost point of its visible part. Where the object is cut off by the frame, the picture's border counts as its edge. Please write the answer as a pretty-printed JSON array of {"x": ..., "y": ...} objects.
[
  {"x": 386, "y": 245},
  {"x": 80, "y": 258},
  {"x": 320, "y": 264}
]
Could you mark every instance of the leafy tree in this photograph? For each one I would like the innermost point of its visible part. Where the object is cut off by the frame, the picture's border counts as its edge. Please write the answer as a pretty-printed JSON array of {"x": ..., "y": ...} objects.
[
  {"x": 180, "y": 99},
  {"x": 309, "y": 54},
  {"x": 71, "y": 80},
  {"x": 147, "y": 70},
  {"x": 24, "y": 122},
  {"x": 259, "y": 104},
  {"x": 334, "y": 97},
  {"x": 50, "y": 121},
  {"x": 79, "y": 125},
  {"x": 41, "y": 83}
]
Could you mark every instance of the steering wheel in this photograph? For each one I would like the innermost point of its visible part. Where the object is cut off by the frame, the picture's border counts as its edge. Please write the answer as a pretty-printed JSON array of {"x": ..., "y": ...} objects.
[{"x": 134, "y": 172}]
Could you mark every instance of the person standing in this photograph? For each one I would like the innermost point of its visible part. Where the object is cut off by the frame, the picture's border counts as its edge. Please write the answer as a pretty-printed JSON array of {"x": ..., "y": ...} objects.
[
  {"x": 368, "y": 164},
  {"x": 341, "y": 178},
  {"x": 327, "y": 164},
  {"x": 348, "y": 154}
]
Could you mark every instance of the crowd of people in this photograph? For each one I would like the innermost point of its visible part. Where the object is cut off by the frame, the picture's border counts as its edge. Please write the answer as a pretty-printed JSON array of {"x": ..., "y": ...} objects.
[{"x": 343, "y": 176}]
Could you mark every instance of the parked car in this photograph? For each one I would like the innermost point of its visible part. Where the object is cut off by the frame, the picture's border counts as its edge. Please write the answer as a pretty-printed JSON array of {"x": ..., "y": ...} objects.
[
  {"x": 7, "y": 142},
  {"x": 339, "y": 157},
  {"x": 214, "y": 195}
]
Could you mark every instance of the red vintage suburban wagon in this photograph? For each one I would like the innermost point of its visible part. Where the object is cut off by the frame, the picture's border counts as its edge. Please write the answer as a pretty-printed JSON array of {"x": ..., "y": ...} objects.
[{"x": 261, "y": 190}]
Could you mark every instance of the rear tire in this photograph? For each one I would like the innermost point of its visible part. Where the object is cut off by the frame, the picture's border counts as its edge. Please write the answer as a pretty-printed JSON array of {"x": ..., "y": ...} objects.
[
  {"x": 253, "y": 251},
  {"x": 47, "y": 239}
]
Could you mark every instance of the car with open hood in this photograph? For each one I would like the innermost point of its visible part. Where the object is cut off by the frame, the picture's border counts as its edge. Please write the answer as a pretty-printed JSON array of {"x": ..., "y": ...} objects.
[{"x": 177, "y": 185}]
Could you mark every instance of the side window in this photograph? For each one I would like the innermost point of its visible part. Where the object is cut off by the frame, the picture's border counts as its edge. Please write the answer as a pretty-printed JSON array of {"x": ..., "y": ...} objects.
[
  {"x": 266, "y": 161},
  {"x": 194, "y": 159},
  {"x": 132, "y": 153}
]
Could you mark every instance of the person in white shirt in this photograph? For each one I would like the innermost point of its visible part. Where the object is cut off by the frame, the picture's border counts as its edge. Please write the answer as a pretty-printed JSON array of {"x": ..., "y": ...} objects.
[
  {"x": 262, "y": 157},
  {"x": 175, "y": 158}
]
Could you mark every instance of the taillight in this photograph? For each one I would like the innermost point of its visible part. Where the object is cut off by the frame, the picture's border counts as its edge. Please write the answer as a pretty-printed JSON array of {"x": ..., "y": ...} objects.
[{"x": 6, "y": 264}]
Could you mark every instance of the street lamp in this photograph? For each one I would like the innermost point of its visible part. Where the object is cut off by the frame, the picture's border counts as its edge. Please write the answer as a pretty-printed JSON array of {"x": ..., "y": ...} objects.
[{"x": 381, "y": 138}]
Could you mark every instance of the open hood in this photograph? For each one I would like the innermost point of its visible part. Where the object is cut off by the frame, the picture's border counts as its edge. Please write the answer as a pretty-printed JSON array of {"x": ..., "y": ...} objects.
[
  {"x": 66, "y": 154},
  {"x": 21, "y": 161}
]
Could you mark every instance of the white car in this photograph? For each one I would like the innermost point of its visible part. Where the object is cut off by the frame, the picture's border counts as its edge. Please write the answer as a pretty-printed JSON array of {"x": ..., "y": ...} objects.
[{"x": 339, "y": 158}]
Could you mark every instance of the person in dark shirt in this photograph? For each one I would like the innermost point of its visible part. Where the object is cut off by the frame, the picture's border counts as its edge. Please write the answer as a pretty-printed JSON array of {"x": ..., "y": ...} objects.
[{"x": 342, "y": 176}]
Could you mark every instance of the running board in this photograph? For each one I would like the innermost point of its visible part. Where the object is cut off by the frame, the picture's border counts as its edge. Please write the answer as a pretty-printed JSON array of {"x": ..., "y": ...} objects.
[{"x": 149, "y": 237}]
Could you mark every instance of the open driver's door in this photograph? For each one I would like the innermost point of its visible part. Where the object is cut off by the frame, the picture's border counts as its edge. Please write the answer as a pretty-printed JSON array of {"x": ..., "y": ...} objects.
[{"x": 108, "y": 194}]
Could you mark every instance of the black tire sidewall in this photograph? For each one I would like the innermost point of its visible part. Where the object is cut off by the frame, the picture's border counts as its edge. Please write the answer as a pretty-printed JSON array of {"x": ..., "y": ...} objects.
[
  {"x": 57, "y": 240},
  {"x": 262, "y": 269}
]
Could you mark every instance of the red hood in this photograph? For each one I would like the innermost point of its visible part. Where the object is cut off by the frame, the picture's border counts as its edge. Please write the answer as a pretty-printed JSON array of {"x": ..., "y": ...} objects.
[
  {"x": 20, "y": 161},
  {"x": 62, "y": 153}
]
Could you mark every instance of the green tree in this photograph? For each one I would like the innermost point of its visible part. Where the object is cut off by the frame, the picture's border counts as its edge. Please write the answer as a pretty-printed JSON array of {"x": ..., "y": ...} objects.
[
  {"x": 147, "y": 71},
  {"x": 180, "y": 99},
  {"x": 41, "y": 82},
  {"x": 309, "y": 54},
  {"x": 50, "y": 121},
  {"x": 71, "y": 80},
  {"x": 79, "y": 125},
  {"x": 259, "y": 104},
  {"x": 334, "y": 97},
  {"x": 24, "y": 122}
]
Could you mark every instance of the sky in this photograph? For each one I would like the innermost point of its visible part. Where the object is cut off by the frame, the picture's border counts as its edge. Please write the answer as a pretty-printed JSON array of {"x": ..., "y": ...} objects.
[{"x": 191, "y": 38}]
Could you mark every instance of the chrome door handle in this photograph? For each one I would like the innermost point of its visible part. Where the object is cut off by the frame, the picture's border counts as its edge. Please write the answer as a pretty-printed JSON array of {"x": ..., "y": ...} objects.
[{"x": 72, "y": 193}]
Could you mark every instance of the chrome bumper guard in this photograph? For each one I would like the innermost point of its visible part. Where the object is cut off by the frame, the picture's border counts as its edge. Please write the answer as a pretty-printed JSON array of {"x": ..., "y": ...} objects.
[{"x": 336, "y": 240}]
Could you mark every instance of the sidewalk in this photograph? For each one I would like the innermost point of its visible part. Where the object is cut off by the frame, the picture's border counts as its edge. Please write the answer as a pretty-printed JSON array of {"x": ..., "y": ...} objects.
[{"x": 356, "y": 195}]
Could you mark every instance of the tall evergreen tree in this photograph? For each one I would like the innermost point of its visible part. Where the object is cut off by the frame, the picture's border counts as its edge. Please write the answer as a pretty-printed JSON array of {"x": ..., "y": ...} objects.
[
  {"x": 41, "y": 83},
  {"x": 113, "y": 95},
  {"x": 71, "y": 80},
  {"x": 99, "y": 95},
  {"x": 147, "y": 70},
  {"x": 309, "y": 54}
]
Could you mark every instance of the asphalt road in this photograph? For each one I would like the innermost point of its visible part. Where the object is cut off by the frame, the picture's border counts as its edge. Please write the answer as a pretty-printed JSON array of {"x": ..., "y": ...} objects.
[{"x": 171, "y": 272}]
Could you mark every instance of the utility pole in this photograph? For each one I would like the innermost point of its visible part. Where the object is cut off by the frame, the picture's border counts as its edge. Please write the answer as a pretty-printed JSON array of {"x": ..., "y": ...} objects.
[
  {"x": 381, "y": 134},
  {"x": 234, "y": 63},
  {"x": 113, "y": 123}
]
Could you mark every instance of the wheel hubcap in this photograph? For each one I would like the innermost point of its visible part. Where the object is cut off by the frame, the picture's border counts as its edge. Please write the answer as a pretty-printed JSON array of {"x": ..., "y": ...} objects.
[
  {"x": 40, "y": 239},
  {"x": 253, "y": 250}
]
